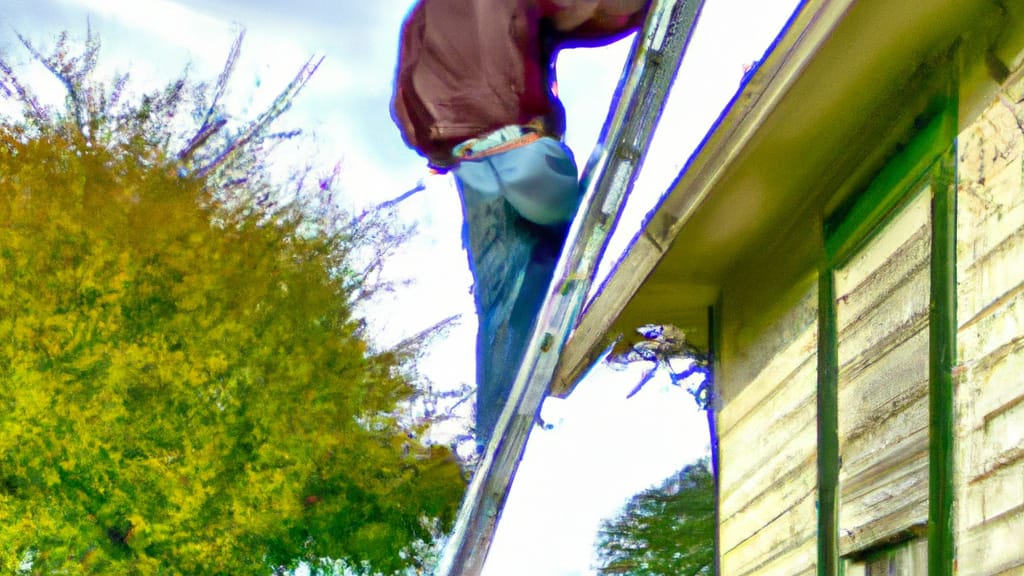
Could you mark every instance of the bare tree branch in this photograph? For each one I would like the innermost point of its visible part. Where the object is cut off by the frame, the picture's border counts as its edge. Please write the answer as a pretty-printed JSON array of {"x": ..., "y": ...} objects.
[{"x": 281, "y": 104}]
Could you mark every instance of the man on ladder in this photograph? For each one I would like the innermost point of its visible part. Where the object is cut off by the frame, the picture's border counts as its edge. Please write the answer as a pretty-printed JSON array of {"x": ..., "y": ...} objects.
[{"x": 474, "y": 94}]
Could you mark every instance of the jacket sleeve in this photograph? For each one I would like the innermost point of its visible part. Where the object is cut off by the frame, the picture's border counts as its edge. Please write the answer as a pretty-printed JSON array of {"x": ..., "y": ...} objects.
[
  {"x": 407, "y": 109},
  {"x": 603, "y": 27},
  {"x": 403, "y": 105}
]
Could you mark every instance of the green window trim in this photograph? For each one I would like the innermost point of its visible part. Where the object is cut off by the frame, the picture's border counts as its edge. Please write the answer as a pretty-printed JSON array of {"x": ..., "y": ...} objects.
[
  {"x": 942, "y": 326},
  {"x": 929, "y": 158},
  {"x": 850, "y": 229},
  {"x": 714, "y": 363},
  {"x": 828, "y": 426}
]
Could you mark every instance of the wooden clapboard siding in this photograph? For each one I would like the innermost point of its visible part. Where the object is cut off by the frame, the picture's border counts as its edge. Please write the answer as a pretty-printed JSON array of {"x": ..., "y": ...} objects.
[
  {"x": 993, "y": 496},
  {"x": 755, "y": 345},
  {"x": 882, "y": 312},
  {"x": 775, "y": 545},
  {"x": 993, "y": 548},
  {"x": 768, "y": 557},
  {"x": 990, "y": 393},
  {"x": 767, "y": 447}
]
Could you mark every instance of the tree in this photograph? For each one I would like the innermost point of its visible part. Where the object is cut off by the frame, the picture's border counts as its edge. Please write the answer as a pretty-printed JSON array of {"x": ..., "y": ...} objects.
[
  {"x": 184, "y": 387},
  {"x": 667, "y": 530}
]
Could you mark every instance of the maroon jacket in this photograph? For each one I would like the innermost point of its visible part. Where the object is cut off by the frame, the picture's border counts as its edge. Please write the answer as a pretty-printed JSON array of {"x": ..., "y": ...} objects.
[{"x": 467, "y": 67}]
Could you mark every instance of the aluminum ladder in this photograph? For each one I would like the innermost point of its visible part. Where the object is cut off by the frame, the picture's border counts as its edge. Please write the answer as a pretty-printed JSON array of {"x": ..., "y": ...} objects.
[{"x": 608, "y": 177}]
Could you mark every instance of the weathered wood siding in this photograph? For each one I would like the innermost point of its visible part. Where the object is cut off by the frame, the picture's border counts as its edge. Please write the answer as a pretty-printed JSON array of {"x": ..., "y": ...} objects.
[
  {"x": 767, "y": 446},
  {"x": 767, "y": 423},
  {"x": 882, "y": 314},
  {"x": 990, "y": 388}
]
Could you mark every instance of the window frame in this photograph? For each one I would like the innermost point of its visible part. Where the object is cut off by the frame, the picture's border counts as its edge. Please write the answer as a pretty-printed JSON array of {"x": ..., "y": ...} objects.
[{"x": 928, "y": 159}]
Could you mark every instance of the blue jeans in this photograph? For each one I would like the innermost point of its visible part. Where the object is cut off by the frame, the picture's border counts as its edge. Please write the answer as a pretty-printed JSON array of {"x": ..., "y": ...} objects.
[{"x": 517, "y": 206}]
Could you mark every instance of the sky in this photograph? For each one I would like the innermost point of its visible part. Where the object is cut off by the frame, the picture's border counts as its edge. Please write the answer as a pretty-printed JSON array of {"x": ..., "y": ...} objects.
[{"x": 601, "y": 448}]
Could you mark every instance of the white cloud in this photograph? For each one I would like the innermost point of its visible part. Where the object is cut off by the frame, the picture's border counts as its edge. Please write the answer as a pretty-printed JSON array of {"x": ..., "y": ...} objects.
[{"x": 165, "y": 20}]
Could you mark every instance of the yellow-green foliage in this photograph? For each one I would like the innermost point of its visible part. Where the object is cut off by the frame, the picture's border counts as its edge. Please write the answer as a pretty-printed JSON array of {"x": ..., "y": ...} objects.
[{"x": 183, "y": 389}]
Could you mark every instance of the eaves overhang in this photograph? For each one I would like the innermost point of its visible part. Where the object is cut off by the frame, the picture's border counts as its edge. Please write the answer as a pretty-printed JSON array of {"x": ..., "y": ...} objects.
[{"x": 841, "y": 90}]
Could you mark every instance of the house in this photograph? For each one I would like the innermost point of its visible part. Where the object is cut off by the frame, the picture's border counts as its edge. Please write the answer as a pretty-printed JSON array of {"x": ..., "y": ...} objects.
[{"x": 848, "y": 244}]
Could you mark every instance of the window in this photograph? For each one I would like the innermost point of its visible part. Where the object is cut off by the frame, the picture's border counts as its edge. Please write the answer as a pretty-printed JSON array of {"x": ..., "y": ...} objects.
[{"x": 907, "y": 559}]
